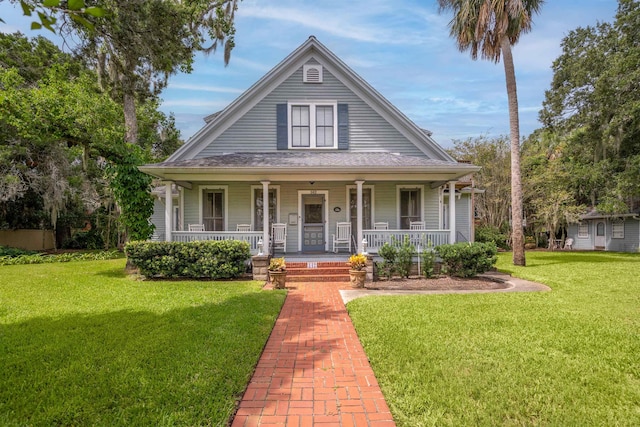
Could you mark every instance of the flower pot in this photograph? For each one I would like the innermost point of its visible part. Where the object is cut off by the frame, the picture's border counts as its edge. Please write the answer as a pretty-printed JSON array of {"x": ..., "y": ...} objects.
[
  {"x": 357, "y": 278},
  {"x": 278, "y": 278}
]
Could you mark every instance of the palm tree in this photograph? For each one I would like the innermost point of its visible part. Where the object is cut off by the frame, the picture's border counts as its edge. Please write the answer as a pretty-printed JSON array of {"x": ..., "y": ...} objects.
[{"x": 491, "y": 27}]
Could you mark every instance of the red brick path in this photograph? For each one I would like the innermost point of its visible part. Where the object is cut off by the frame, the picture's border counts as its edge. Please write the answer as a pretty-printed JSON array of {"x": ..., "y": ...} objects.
[{"x": 313, "y": 371}]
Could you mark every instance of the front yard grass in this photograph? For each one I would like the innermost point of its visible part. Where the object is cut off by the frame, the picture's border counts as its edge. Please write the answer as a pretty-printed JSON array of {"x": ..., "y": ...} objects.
[
  {"x": 567, "y": 357},
  {"x": 82, "y": 344}
]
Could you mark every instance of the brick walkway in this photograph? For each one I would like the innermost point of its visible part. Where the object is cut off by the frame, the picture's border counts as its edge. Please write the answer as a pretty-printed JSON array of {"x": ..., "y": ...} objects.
[{"x": 313, "y": 370}]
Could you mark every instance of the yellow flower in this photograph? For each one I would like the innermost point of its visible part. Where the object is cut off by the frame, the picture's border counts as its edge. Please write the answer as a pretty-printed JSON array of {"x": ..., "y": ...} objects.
[
  {"x": 277, "y": 264},
  {"x": 357, "y": 262}
]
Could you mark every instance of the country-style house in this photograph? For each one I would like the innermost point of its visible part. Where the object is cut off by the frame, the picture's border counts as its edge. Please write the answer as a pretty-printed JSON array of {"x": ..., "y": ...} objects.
[{"x": 337, "y": 165}]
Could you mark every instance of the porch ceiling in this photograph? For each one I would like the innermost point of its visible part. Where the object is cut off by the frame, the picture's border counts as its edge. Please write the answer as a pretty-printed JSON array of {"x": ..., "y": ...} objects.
[{"x": 310, "y": 165}]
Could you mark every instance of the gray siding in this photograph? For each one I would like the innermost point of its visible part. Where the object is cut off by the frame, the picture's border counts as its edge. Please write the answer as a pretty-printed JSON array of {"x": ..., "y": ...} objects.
[
  {"x": 157, "y": 219},
  {"x": 581, "y": 243},
  {"x": 630, "y": 242},
  {"x": 256, "y": 130}
]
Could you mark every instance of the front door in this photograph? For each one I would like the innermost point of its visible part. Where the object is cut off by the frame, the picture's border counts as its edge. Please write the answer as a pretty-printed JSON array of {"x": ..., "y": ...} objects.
[
  {"x": 600, "y": 238},
  {"x": 313, "y": 222}
]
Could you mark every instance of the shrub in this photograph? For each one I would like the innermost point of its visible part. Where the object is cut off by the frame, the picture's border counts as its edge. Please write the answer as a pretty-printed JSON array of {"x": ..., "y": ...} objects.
[
  {"x": 467, "y": 259},
  {"x": 404, "y": 259},
  {"x": 13, "y": 252},
  {"x": 486, "y": 234},
  {"x": 428, "y": 259},
  {"x": 200, "y": 259},
  {"x": 389, "y": 254},
  {"x": 37, "y": 258},
  {"x": 84, "y": 240}
]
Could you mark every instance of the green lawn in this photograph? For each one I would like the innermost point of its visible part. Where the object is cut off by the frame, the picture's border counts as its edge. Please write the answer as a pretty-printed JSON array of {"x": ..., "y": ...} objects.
[
  {"x": 569, "y": 357},
  {"x": 82, "y": 344}
]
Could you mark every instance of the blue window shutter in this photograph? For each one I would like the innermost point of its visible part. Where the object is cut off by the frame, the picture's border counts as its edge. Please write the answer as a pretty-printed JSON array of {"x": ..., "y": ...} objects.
[
  {"x": 282, "y": 134},
  {"x": 343, "y": 126}
]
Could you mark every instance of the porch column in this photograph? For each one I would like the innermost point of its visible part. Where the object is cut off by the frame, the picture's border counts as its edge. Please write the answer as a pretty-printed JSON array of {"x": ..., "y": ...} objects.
[
  {"x": 452, "y": 211},
  {"x": 265, "y": 216},
  {"x": 168, "y": 211},
  {"x": 359, "y": 215}
]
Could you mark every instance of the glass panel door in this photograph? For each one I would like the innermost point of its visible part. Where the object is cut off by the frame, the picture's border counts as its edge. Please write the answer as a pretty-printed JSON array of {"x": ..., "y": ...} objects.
[{"x": 313, "y": 223}]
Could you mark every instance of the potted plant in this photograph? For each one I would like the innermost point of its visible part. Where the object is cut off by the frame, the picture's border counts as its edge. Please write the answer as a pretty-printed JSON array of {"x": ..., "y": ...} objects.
[
  {"x": 357, "y": 272},
  {"x": 278, "y": 272}
]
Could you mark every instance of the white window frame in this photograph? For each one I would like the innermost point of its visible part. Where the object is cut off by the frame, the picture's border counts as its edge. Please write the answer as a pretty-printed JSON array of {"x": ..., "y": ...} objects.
[
  {"x": 312, "y": 123},
  {"x": 225, "y": 201},
  {"x": 617, "y": 230},
  {"x": 399, "y": 188},
  {"x": 276, "y": 188},
  {"x": 583, "y": 231}
]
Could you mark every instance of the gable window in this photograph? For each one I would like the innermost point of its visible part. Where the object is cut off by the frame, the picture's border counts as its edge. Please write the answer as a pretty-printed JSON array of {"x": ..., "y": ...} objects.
[
  {"x": 409, "y": 206},
  {"x": 617, "y": 230},
  {"x": 214, "y": 212},
  {"x": 312, "y": 125},
  {"x": 583, "y": 231},
  {"x": 258, "y": 208}
]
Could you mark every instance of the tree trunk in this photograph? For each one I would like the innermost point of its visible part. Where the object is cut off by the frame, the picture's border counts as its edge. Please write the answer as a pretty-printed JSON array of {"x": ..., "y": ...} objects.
[
  {"x": 517, "y": 233},
  {"x": 130, "y": 119},
  {"x": 129, "y": 103}
]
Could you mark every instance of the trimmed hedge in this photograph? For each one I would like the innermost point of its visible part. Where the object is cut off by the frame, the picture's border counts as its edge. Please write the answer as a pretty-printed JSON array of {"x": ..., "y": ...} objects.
[
  {"x": 467, "y": 259},
  {"x": 198, "y": 260}
]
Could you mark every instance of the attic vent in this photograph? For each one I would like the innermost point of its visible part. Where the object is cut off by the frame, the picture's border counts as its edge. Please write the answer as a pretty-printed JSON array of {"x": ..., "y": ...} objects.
[{"x": 312, "y": 73}]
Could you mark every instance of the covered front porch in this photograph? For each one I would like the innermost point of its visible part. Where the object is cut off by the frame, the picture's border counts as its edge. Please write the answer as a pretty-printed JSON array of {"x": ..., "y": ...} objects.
[{"x": 295, "y": 203}]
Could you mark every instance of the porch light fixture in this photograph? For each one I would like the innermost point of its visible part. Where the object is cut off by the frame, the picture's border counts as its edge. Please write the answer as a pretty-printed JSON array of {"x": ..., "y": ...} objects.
[
  {"x": 364, "y": 246},
  {"x": 260, "y": 245}
]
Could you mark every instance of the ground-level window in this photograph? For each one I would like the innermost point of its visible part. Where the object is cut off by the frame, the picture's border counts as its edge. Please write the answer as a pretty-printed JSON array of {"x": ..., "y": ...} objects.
[
  {"x": 410, "y": 206},
  {"x": 367, "y": 202},
  {"x": 618, "y": 230},
  {"x": 583, "y": 230},
  {"x": 258, "y": 208},
  {"x": 213, "y": 209}
]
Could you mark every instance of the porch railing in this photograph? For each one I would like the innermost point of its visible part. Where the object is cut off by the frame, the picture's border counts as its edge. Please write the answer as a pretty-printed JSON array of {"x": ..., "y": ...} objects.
[
  {"x": 375, "y": 238},
  {"x": 248, "y": 236},
  {"x": 418, "y": 238}
]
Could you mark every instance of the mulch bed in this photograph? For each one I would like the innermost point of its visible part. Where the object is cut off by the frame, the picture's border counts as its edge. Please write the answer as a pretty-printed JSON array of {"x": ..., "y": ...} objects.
[{"x": 442, "y": 283}]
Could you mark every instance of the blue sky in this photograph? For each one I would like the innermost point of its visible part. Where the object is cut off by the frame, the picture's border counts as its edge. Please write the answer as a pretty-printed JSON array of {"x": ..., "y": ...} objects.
[{"x": 401, "y": 47}]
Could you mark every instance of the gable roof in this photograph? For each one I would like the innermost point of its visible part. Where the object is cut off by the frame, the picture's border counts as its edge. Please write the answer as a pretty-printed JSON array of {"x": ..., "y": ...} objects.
[{"x": 218, "y": 122}]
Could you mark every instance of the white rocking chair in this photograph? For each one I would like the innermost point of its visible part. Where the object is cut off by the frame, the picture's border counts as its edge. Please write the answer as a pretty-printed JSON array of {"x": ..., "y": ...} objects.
[
  {"x": 417, "y": 225},
  {"x": 196, "y": 227},
  {"x": 279, "y": 236},
  {"x": 243, "y": 227},
  {"x": 342, "y": 238}
]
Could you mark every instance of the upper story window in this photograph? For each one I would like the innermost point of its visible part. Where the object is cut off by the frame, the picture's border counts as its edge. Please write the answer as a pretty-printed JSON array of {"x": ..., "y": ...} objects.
[{"x": 313, "y": 125}]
